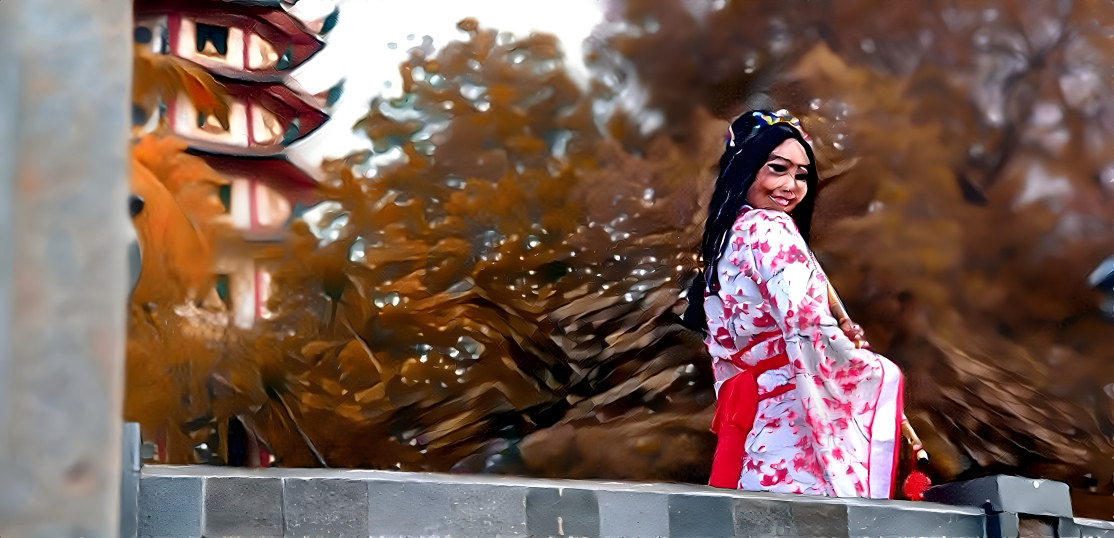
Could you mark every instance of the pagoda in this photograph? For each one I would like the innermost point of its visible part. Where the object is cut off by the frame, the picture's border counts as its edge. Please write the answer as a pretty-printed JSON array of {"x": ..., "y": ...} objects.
[{"x": 250, "y": 47}]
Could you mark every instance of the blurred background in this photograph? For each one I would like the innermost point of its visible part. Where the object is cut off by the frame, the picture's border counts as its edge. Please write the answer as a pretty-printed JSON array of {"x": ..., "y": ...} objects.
[{"x": 453, "y": 238}]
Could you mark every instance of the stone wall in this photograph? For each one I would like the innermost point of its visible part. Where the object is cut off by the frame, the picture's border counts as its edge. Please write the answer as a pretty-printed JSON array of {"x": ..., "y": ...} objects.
[
  {"x": 223, "y": 501},
  {"x": 215, "y": 501}
]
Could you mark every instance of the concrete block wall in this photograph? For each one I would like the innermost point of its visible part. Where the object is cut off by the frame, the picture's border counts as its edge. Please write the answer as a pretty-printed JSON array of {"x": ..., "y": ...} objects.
[{"x": 214, "y": 501}]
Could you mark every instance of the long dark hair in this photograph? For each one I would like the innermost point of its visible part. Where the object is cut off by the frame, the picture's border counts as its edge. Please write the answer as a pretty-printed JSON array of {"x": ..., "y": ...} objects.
[{"x": 752, "y": 138}]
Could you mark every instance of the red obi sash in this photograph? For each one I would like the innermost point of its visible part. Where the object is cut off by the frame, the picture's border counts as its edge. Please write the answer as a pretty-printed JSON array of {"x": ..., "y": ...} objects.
[{"x": 736, "y": 408}]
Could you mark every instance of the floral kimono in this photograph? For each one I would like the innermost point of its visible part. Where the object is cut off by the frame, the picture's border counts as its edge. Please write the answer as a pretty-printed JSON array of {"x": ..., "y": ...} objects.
[{"x": 800, "y": 409}]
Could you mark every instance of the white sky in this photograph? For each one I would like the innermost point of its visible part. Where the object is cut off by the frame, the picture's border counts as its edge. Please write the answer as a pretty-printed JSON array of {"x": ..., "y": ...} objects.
[{"x": 358, "y": 50}]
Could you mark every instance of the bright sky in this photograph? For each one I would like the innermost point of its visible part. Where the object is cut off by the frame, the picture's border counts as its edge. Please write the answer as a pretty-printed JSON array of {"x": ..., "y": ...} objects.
[{"x": 360, "y": 50}]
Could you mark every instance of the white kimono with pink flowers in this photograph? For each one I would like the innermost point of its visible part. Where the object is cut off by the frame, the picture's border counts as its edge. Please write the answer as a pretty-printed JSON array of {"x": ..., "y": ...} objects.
[{"x": 828, "y": 414}]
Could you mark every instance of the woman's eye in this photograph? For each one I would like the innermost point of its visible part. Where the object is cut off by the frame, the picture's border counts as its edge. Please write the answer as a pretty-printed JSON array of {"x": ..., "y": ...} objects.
[
  {"x": 802, "y": 177},
  {"x": 778, "y": 168}
]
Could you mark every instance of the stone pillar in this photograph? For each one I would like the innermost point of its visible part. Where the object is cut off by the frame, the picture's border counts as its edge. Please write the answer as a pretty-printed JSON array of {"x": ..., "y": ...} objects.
[{"x": 65, "y": 69}]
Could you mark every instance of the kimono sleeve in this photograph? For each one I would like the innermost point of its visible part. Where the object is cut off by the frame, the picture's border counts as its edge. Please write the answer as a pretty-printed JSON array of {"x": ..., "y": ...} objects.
[{"x": 785, "y": 274}]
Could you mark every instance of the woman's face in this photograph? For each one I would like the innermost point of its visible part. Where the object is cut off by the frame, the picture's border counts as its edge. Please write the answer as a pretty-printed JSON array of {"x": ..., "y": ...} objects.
[{"x": 782, "y": 182}]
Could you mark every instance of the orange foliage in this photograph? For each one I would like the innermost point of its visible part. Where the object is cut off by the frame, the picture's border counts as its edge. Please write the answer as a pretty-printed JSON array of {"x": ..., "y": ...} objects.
[
  {"x": 163, "y": 76},
  {"x": 171, "y": 332},
  {"x": 180, "y": 195}
]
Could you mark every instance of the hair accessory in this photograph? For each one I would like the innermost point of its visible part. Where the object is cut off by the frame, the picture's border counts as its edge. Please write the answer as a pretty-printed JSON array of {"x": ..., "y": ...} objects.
[{"x": 765, "y": 119}]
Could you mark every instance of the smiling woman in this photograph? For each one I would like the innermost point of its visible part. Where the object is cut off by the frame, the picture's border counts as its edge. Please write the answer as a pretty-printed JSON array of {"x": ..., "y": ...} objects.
[{"x": 802, "y": 407}]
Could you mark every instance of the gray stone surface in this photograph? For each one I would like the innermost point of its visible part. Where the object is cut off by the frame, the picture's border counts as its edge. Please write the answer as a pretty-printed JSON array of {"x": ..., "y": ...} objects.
[
  {"x": 633, "y": 514},
  {"x": 765, "y": 517},
  {"x": 65, "y": 71},
  {"x": 129, "y": 480},
  {"x": 243, "y": 506},
  {"x": 325, "y": 507},
  {"x": 1003, "y": 493},
  {"x": 488, "y": 511},
  {"x": 399, "y": 508},
  {"x": 819, "y": 518},
  {"x": 701, "y": 515},
  {"x": 1089, "y": 528},
  {"x": 759, "y": 517},
  {"x": 901, "y": 518},
  {"x": 170, "y": 506},
  {"x": 562, "y": 512}
]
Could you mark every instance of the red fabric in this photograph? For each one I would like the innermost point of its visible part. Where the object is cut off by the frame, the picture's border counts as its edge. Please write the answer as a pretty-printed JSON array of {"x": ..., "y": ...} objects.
[{"x": 735, "y": 410}]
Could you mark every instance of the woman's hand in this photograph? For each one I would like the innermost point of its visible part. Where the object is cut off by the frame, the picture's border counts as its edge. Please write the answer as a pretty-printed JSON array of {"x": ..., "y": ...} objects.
[{"x": 854, "y": 331}]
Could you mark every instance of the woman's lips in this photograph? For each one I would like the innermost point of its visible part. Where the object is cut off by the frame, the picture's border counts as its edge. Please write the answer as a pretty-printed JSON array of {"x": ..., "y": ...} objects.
[{"x": 783, "y": 202}]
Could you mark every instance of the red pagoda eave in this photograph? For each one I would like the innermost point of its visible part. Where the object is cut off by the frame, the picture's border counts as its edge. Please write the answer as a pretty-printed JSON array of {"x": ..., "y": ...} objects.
[
  {"x": 276, "y": 171},
  {"x": 276, "y": 26},
  {"x": 281, "y": 101}
]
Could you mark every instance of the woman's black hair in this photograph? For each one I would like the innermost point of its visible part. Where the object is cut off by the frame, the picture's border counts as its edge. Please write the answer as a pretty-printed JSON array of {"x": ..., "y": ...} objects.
[{"x": 752, "y": 141}]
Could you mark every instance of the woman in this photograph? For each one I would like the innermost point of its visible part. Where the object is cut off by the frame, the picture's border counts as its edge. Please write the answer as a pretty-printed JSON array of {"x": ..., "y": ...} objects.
[{"x": 803, "y": 406}]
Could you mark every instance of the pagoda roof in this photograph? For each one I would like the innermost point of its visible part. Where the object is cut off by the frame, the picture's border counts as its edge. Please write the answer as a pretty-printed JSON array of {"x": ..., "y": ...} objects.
[
  {"x": 275, "y": 170},
  {"x": 278, "y": 27},
  {"x": 284, "y": 99},
  {"x": 280, "y": 100}
]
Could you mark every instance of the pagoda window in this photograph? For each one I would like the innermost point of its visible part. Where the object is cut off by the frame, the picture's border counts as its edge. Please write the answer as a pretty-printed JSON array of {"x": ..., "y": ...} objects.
[
  {"x": 261, "y": 54},
  {"x": 212, "y": 40},
  {"x": 267, "y": 128},
  {"x": 270, "y": 208},
  {"x": 225, "y": 194},
  {"x": 210, "y": 124},
  {"x": 222, "y": 288}
]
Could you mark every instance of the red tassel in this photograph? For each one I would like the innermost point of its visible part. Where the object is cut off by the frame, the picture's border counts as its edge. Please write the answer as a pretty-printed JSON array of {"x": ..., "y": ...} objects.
[{"x": 915, "y": 485}]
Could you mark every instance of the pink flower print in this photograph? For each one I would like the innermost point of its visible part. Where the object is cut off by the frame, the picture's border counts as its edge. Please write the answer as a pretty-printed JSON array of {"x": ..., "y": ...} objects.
[
  {"x": 776, "y": 478},
  {"x": 800, "y": 463},
  {"x": 752, "y": 464},
  {"x": 765, "y": 320},
  {"x": 773, "y": 424}
]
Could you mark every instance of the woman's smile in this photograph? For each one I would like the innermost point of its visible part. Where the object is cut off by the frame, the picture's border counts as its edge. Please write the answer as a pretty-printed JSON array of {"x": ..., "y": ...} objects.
[{"x": 782, "y": 201}]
